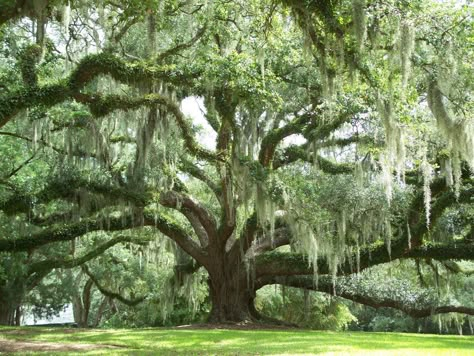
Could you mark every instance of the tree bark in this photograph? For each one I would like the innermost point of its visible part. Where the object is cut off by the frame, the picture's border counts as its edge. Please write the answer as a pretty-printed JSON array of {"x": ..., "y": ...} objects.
[
  {"x": 10, "y": 303},
  {"x": 231, "y": 301},
  {"x": 7, "y": 313}
]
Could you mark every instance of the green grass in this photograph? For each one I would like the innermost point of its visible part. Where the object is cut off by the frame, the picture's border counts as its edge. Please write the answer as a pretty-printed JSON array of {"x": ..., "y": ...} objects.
[{"x": 251, "y": 342}]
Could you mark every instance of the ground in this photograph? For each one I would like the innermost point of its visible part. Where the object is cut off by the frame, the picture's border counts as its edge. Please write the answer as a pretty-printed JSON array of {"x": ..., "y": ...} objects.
[{"x": 223, "y": 341}]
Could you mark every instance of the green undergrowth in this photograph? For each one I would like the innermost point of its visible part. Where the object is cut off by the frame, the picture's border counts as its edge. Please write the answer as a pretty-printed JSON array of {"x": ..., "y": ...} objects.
[{"x": 242, "y": 342}]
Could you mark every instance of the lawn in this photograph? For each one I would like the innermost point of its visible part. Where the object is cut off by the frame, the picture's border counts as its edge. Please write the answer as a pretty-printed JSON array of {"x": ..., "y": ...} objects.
[{"x": 227, "y": 342}]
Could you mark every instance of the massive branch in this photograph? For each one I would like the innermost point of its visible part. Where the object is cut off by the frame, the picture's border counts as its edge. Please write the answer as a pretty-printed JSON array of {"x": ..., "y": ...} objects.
[
  {"x": 187, "y": 206},
  {"x": 72, "y": 231}
]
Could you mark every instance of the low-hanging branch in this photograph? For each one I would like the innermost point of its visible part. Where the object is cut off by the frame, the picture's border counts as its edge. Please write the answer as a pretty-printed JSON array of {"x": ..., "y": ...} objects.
[
  {"x": 110, "y": 294},
  {"x": 67, "y": 233},
  {"x": 326, "y": 285},
  {"x": 66, "y": 187},
  {"x": 38, "y": 270},
  {"x": 40, "y": 266},
  {"x": 287, "y": 264}
]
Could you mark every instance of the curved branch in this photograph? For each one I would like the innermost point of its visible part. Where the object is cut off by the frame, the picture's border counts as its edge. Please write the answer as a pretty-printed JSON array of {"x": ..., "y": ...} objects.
[
  {"x": 38, "y": 267},
  {"x": 275, "y": 136},
  {"x": 177, "y": 234},
  {"x": 190, "y": 168},
  {"x": 67, "y": 233},
  {"x": 89, "y": 68},
  {"x": 110, "y": 294},
  {"x": 281, "y": 237},
  {"x": 182, "y": 46},
  {"x": 185, "y": 203}
]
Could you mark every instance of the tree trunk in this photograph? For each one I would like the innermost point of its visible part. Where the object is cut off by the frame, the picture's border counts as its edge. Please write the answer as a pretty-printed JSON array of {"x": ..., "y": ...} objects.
[
  {"x": 100, "y": 311},
  {"x": 10, "y": 303},
  {"x": 18, "y": 315},
  {"x": 7, "y": 313},
  {"x": 81, "y": 305},
  {"x": 232, "y": 300}
]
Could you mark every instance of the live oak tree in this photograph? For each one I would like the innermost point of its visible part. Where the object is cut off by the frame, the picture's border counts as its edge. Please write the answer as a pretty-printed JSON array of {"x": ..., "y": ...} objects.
[{"x": 334, "y": 136}]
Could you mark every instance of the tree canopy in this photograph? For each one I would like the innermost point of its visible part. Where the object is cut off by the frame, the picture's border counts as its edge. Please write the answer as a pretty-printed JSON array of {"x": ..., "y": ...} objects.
[{"x": 258, "y": 142}]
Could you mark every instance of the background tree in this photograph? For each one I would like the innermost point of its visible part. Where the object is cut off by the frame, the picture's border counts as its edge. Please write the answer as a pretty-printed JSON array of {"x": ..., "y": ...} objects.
[{"x": 334, "y": 137}]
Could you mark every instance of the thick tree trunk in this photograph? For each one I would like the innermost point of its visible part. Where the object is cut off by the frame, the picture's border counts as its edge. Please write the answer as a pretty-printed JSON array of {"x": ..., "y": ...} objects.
[
  {"x": 10, "y": 303},
  {"x": 230, "y": 306},
  {"x": 7, "y": 313},
  {"x": 232, "y": 300}
]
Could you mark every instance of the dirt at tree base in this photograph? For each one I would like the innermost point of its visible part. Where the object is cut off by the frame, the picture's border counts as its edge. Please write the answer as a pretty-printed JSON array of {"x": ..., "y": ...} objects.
[{"x": 25, "y": 346}]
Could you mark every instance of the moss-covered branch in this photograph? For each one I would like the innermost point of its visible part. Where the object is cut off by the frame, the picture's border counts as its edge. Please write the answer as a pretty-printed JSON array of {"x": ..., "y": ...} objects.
[
  {"x": 41, "y": 266},
  {"x": 326, "y": 285},
  {"x": 443, "y": 252},
  {"x": 69, "y": 232},
  {"x": 66, "y": 233},
  {"x": 66, "y": 187},
  {"x": 294, "y": 153},
  {"x": 288, "y": 264},
  {"x": 89, "y": 68}
]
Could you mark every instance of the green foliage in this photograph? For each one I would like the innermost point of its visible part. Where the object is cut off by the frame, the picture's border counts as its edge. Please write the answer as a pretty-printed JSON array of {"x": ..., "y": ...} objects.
[
  {"x": 332, "y": 122},
  {"x": 305, "y": 308}
]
